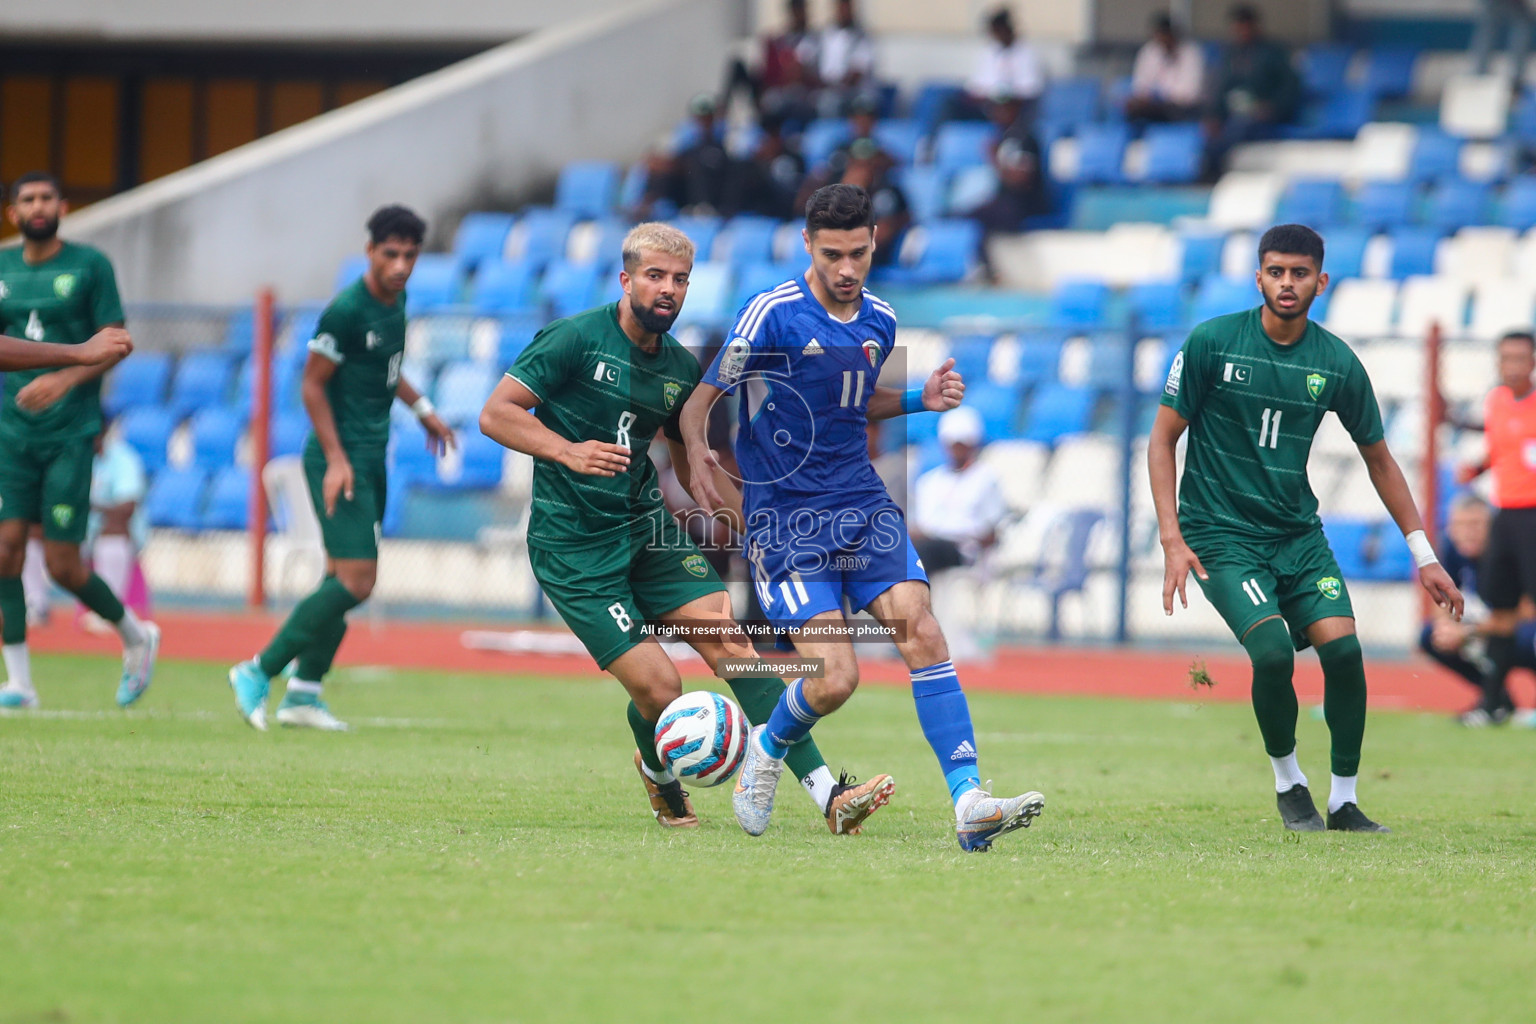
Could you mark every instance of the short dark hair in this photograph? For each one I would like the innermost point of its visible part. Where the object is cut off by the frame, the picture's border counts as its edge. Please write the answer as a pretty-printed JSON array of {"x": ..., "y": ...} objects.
[
  {"x": 395, "y": 222},
  {"x": 1002, "y": 18},
  {"x": 1525, "y": 336},
  {"x": 1293, "y": 240},
  {"x": 1162, "y": 23},
  {"x": 838, "y": 208},
  {"x": 1242, "y": 14},
  {"x": 34, "y": 178}
]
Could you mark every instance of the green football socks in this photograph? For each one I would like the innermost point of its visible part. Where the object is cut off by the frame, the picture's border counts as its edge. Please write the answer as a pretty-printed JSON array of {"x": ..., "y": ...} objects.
[
  {"x": 13, "y": 608},
  {"x": 1274, "y": 697},
  {"x": 315, "y": 660},
  {"x": 1344, "y": 700},
  {"x": 98, "y": 597},
  {"x": 645, "y": 739},
  {"x": 311, "y": 618}
]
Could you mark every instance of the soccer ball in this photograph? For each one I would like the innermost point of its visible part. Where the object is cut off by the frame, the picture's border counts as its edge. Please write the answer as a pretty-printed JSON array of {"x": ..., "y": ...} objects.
[{"x": 702, "y": 737}]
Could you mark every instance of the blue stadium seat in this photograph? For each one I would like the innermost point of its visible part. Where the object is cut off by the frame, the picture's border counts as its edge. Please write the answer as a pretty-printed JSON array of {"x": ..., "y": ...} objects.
[
  {"x": 947, "y": 251},
  {"x": 539, "y": 237},
  {"x": 700, "y": 230},
  {"x": 1435, "y": 155},
  {"x": 202, "y": 379},
  {"x": 1201, "y": 256},
  {"x": 1518, "y": 210},
  {"x": 900, "y": 138},
  {"x": 289, "y": 431},
  {"x": 175, "y": 498},
  {"x": 1413, "y": 251},
  {"x": 1340, "y": 115},
  {"x": 1101, "y": 153},
  {"x": 1369, "y": 550},
  {"x": 516, "y": 333},
  {"x": 462, "y": 390},
  {"x": 1389, "y": 71},
  {"x": 972, "y": 354},
  {"x": 481, "y": 237},
  {"x": 568, "y": 288},
  {"x": 1108, "y": 362},
  {"x": 1066, "y": 104},
  {"x": 434, "y": 283},
  {"x": 1079, "y": 304},
  {"x": 240, "y": 330},
  {"x": 410, "y": 463},
  {"x": 971, "y": 187},
  {"x": 1315, "y": 202},
  {"x": 1039, "y": 358},
  {"x": 352, "y": 268},
  {"x": 931, "y": 102},
  {"x": 1218, "y": 296},
  {"x": 926, "y": 188},
  {"x": 821, "y": 138},
  {"x": 632, "y": 188},
  {"x": 502, "y": 287},
  {"x": 147, "y": 429},
  {"x": 1174, "y": 153},
  {"x": 602, "y": 242},
  {"x": 1344, "y": 253},
  {"x": 760, "y": 277},
  {"x": 479, "y": 462},
  {"x": 1056, "y": 410},
  {"x": 587, "y": 188},
  {"x": 1384, "y": 204},
  {"x": 286, "y": 371},
  {"x": 710, "y": 290},
  {"x": 998, "y": 406},
  {"x": 963, "y": 144},
  {"x": 216, "y": 434},
  {"x": 138, "y": 380},
  {"x": 1156, "y": 305},
  {"x": 1456, "y": 203},
  {"x": 1325, "y": 67},
  {"x": 745, "y": 239},
  {"x": 229, "y": 500}
]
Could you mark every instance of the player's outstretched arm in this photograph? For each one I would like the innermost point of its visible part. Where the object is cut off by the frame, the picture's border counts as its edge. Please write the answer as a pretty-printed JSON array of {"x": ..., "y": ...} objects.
[
  {"x": 1387, "y": 477},
  {"x": 440, "y": 436},
  {"x": 81, "y": 363},
  {"x": 107, "y": 347},
  {"x": 507, "y": 421},
  {"x": 943, "y": 390},
  {"x": 701, "y": 463},
  {"x": 1162, "y": 460}
]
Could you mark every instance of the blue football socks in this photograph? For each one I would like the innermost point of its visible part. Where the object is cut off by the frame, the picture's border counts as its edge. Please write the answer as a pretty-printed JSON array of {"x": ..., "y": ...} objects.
[
  {"x": 790, "y": 722},
  {"x": 946, "y": 720}
]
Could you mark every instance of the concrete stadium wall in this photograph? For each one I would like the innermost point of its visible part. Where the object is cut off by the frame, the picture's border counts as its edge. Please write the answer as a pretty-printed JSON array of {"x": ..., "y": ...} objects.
[{"x": 489, "y": 131}]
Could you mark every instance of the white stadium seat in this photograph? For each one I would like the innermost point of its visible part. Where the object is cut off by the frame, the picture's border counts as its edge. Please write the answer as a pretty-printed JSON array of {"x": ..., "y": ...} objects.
[
  {"x": 1396, "y": 369},
  {"x": 1020, "y": 467},
  {"x": 1500, "y": 305},
  {"x": 1474, "y": 255},
  {"x": 1382, "y": 152},
  {"x": 1475, "y": 106},
  {"x": 1466, "y": 372},
  {"x": 1239, "y": 254},
  {"x": 1245, "y": 200},
  {"x": 1084, "y": 473},
  {"x": 1361, "y": 309},
  {"x": 1432, "y": 300}
]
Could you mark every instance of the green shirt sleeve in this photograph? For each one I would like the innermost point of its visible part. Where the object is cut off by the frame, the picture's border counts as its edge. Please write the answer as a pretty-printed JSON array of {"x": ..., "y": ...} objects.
[
  {"x": 549, "y": 360},
  {"x": 1355, "y": 405},
  {"x": 106, "y": 304},
  {"x": 1188, "y": 377},
  {"x": 335, "y": 336}
]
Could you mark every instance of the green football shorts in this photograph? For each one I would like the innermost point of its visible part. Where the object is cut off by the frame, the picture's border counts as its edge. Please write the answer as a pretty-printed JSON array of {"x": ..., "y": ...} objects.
[
  {"x": 353, "y": 530},
  {"x": 49, "y": 482},
  {"x": 607, "y": 593},
  {"x": 1296, "y": 577}
]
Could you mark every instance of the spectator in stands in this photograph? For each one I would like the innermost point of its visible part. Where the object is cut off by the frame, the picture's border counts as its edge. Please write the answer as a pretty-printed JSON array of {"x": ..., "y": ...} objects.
[
  {"x": 695, "y": 177},
  {"x": 768, "y": 181},
  {"x": 1495, "y": 18},
  {"x": 869, "y": 167},
  {"x": 1458, "y": 645},
  {"x": 1255, "y": 90},
  {"x": 845, "y": 62},
  {"x": 1009, "y": 67},
  {"x": 1021, "y": 186},
  {"x": 957, "y": 507},
  {"x": 782, "y": 85},
  {"x": 117, "y": 531},
  {"x": 1168, "y": 80}
]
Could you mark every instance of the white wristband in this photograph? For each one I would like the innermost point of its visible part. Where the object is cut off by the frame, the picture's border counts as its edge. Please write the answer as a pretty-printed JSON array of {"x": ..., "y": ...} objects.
[
  {"x": 1423, "y": 552},
  {"x": 423, "y": 407}
]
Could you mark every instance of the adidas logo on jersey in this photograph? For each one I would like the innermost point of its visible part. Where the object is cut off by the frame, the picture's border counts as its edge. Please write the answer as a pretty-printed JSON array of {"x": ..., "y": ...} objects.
[
  {"x": 964, "y": 752},
  {"x": 813, "y": 349}
]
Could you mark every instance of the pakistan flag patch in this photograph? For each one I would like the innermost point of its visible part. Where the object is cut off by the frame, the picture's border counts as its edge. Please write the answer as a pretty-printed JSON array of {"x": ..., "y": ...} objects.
[
  {"x": 696, "y": 566},
  {"x": 1330, "y": 587},
  {"x": 63, "y": 515},
  {"x": 63, "y": 285},
  {"x": 1315, "y": 382},
  {"x": 669, "y": 393}
]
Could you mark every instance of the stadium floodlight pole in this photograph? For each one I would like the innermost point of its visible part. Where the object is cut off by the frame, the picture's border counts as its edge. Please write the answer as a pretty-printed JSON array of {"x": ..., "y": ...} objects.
[
  {"x": 1434, "y": 415},
  {"x": 261, "y": 434}
]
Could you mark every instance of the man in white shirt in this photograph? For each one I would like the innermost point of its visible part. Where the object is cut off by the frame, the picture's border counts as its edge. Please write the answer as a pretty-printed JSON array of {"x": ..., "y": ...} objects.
[
  {"x": 957, "y": 507},
  {"x": 845, "y": 62},
  {"x": 1009, "y": 67},
  {"x": 1168, "y": 79}
]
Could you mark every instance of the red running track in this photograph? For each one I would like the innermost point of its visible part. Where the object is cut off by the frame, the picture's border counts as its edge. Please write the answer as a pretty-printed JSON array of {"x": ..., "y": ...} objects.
[{"x": 1147, "y": 674}]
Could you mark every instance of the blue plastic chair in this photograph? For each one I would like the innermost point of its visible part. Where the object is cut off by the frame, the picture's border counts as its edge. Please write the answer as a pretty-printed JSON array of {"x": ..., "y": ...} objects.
[
  {"x": 997, "y": 405},
  {"x": 539, "y": 237},
  {"x": 202, "y": 379},
  {"x": 352, "y": 268},
  {"x": 1218, "y": 296},
  {"x": 1325, "y": 68},
  {"x": 287, "y": 371},
  {"x": 1174, "y": 152},
  {"x": 1039, "y": 358},
  {"x": 229, "y": 500},
  {"x": 1315, "y": 202},
  {"x": 1435, "y": 155},
  {"x": 516, "y": 333},
  {"x": 1108, "y": 362},
  {"x": 411, "y": 464},
  {"x": 710, "y": 290},
  {"x": 1455, "y": 204},
  {"x": 568, "y": 288},
  {"x": 1368, "y": 550},
  {"x": 926, "y": 188},
  {"x": 700, "y": 230},
  {"x": 746, "y": 239},
  {"x": 434, "y": 283},
  {"x": 902, "y": 139},
  {"x": 1068, "y": 103},
  {"x": 139, "y": 380},
  {"x": 462, "y": 389},
  {"x": 1079, "y": 304},
  {"x": 288, "y": 433},
  {"x": 1518, "y": 209},
  {"x": 481, "y": 238},
  {"x": 1413, "y": 251},
  {"x": 1101, "y": 153},
  {"x": 949, "y": 253},
  {"x": 1389, "y": 71},
  {"x": 931, "y": 101},
  {"x": 756, "y": 278},
  {"x": 972, "y": 354},
  {"x": 587, "y": 188},
  {"x": 962, "y": 144},
  {"x": 1156, "y": 305},
  {"x": 821, "y": 139},
  {"x": 147, "y": 429},
  {"x": 1057, "y": 410},
  {"x": 481, "y": 460},
  {"x": 504, "y": 288},
  {"x": 1344, "y": 252},
  {"x": 1340, "y": 115},
  {"x": 1384, "y": 205},
  {"x": 1200, "y": 256},
  {"x": 175, "y": 498},
  {"x": 1069, "y": 535},
  {"x": 216, "y": 434}
]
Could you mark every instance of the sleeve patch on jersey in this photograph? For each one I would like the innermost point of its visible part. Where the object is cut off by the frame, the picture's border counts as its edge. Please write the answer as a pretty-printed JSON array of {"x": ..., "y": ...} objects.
[
  {"x": 1175, "y": 374},
  {"x": 325, "y": 345},
  {"x": 734, "y": 361}
]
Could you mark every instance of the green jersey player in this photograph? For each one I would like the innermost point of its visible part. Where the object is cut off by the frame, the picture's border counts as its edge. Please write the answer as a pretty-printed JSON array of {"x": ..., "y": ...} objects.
[
  {"x": 58, "y": 294},
  {"x": 603, "y": 546},
  {"x": 1252, "y": 389},
  {"x": 351, "y": 380}
]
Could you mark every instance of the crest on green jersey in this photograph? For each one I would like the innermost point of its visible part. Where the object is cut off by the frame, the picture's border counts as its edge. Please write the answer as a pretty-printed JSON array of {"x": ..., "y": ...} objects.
[
  {"x": 696, "y": 565},
  {"x": 63, "y": 285},
  {"x": 1315, "y": 382},
  {"x": 1330, "y": 587},
  {"x": 63, "y": 515},
  {"x": 669, "y": 393}
]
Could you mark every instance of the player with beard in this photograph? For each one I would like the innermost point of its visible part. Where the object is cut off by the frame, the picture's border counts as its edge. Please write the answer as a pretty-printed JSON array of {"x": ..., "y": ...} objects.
[
  {"x": 58, "y": 294},
  {"x": 1252, "y": 389},
  {"x": 601, "y": 543}
]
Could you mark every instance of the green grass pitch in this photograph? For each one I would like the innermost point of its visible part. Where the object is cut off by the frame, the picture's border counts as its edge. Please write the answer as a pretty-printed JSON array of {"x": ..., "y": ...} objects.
[{"x": 479, "y": 850}]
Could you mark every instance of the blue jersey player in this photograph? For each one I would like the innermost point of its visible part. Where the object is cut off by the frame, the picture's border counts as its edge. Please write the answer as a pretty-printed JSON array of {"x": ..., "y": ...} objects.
[{"x": 821, "y": 529}]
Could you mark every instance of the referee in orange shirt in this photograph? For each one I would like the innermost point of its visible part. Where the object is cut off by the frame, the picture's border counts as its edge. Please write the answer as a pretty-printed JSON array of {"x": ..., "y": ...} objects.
[{"x": 1508, "y": 569}]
